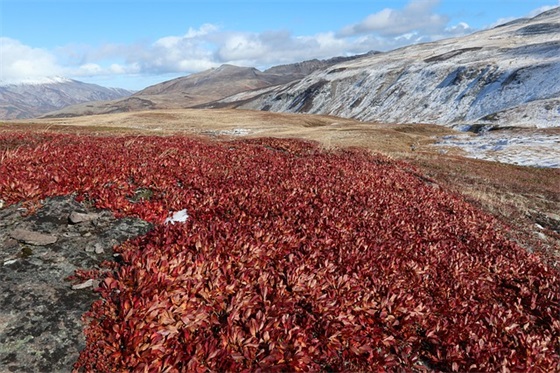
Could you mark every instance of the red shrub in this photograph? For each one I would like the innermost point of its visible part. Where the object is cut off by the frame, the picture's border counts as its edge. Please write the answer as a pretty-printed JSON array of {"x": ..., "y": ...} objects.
[{"x": 292, "y": 259}]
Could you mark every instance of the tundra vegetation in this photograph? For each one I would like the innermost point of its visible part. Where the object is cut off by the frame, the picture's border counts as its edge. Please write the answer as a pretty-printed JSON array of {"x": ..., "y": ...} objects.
[{"x": 293, "y": 257}]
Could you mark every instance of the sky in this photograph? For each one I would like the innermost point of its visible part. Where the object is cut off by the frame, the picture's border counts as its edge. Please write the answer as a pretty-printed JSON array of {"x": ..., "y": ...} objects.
[{"x": 136, "y": 43}]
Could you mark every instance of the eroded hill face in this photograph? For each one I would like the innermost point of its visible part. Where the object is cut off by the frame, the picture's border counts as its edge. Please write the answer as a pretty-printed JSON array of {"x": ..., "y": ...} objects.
[{"x": 509, "y": 75}]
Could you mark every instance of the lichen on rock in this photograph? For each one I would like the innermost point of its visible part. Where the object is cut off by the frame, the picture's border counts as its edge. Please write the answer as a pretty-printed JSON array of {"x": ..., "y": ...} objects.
[{"x": 40, "y": 311}]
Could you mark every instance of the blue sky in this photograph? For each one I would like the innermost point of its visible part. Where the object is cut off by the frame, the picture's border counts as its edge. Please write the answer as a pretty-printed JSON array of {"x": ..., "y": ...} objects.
[{"x": 136, "y": 43}]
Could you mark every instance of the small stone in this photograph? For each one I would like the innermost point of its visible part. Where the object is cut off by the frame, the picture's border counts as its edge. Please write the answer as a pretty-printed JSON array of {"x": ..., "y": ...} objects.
[
  {"x": 89, "y": 249},
  {"x": 1, "y": 203},
  {"x": 83, "y": 285},
  {"x": 98, "y": 248},
  {"x": 71, "y": 234},
  {"x": 9, "y": 243},
  {"x": 32, "y": 238},
  {"x": 552, "y": 216},
  {"x": 8, "y": 262},
  {"x": 79, "y": 217}
]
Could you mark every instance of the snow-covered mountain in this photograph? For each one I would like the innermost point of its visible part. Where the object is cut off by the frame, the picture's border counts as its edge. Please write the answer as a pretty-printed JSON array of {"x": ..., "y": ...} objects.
[
  {"x": 505, "y": 76},
  {"x": 34, "y": 97}
]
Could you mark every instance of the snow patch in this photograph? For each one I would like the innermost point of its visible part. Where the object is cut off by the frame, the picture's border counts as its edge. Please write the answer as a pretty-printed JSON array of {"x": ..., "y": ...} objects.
[
  {"x": 235, "y": 132},
  {"x": 231, "y": 132},
  {"x": 535, "y": 149},
  {"x": 37, "y": 81}
]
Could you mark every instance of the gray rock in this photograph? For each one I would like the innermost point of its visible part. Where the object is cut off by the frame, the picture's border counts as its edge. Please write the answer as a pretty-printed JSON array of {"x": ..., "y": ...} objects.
[
  {"x": 84, "y": 285},
  {"x": 79, "y": 217},
  {"x": 40, "y": 312},
  {"x": 32, "y": 238},
  {"x": 98, "y": 248},
  {"x": 552, "y": 216}
]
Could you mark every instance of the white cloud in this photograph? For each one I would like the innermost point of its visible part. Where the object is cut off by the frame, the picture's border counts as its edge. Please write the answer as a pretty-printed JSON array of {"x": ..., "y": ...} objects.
[
  {"x": 460, "y": 28},
  {"x": 260, "y": 49},
  {"x": 416, "y": 16},
  {"x": 117, "y": 69},
  {"x": 390, "y": 28},
  {"x": 19, "y": 61},
  {"x": 209, "y": 46},
  {"x": 205, "y": 29},
  {"x": 241, "y": 47}
]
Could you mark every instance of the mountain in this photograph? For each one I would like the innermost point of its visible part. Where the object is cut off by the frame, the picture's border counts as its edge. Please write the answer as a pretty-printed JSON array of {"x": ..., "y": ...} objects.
[
  {"x": 505, "y": 76},
  {"x": 204, "y": 87},
  {"x": 33, "y": 98},
  {"x": 213, "y": 84}
]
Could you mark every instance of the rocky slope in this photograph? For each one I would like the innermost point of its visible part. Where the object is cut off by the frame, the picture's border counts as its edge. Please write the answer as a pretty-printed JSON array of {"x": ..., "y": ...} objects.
[
  {"x": 28, "y": 100},
  {"x": 505, "y": 76}
]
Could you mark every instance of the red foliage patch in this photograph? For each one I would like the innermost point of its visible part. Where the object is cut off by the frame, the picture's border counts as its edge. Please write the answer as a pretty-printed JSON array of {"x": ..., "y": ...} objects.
[{"x": 292, "y": 259}]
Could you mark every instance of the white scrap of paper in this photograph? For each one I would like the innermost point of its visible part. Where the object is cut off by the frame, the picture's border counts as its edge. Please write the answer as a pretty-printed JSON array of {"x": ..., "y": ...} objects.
[{"x": 178, "y": 217}]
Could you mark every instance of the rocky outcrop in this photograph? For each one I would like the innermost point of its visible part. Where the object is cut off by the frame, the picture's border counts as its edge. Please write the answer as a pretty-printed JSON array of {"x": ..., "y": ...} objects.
[{"x": 40, "y": 310}]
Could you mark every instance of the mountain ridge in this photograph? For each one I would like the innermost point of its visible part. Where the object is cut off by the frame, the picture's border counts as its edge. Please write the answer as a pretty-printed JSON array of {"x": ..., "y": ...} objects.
[
  {"x": 204, "y": 87},
  {"x": 478, "y": 78},
  {"x": 31, "y": 98}
]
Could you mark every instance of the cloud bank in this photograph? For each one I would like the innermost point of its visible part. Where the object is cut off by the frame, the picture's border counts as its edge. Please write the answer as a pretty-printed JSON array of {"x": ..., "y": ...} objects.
[
  {"x": 19, "y": 61},
  {"x": 210, "y": 46}
]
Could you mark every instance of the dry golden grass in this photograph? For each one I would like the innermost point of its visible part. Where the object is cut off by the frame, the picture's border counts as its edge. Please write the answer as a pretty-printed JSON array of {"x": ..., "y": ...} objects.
[
  {"x": 331, "y": 131},
  {"x": 519, "y": 196}
]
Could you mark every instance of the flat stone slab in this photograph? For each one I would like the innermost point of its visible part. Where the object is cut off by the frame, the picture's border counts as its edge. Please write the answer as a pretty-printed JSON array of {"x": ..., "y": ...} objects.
[
  {"x": 80, "y": 217},
  {"x": 33, "y": 238}
]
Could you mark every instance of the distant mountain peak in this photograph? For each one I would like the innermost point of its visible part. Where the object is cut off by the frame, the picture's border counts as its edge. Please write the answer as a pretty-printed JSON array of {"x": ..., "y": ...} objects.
[
  {"x": 32, "y": 97},
  {"x": 228, "y": 66},
  {"x": 204, "y": 87},
  {"x": 36, "y": 81}
]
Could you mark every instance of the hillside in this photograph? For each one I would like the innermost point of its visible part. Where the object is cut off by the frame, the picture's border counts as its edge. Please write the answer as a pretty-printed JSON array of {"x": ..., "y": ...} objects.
[
  {"x": 32, "y": 99},
  {"x": 505, "y": 76}
]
